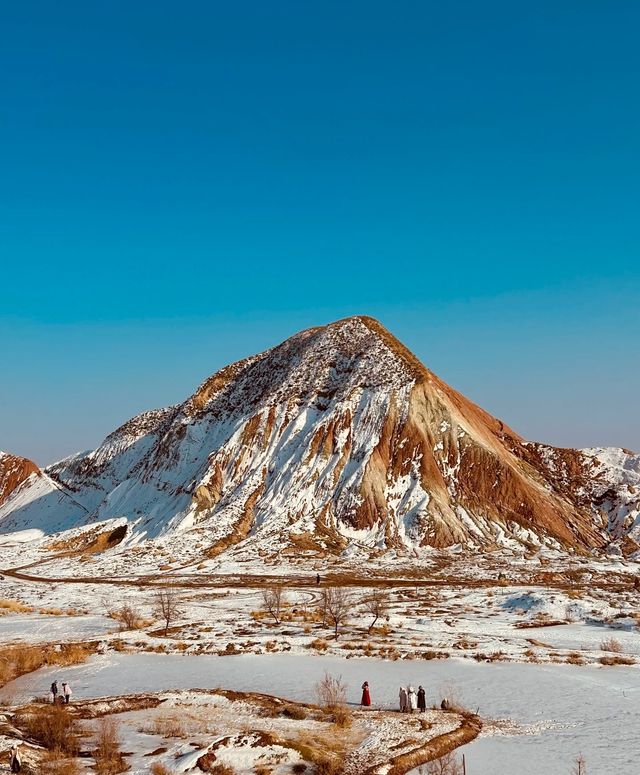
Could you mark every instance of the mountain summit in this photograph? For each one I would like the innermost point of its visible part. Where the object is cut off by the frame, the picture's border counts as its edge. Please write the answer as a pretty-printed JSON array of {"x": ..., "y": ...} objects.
[{"x": 337, "y": 437}]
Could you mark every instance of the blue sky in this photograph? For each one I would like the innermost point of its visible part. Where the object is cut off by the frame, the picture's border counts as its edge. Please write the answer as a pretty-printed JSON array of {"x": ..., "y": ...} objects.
[{"x": 184, "y": 184}]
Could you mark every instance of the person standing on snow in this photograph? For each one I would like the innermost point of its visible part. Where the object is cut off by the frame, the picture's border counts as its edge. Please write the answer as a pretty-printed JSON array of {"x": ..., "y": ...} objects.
[
  {"x": 15, "y": 762},
  {"x": 366, "y": 697},
  {"x": 54, "y": 692},
  {"x": 66, "y": 692},
  {"x": 413, "y": 700},
  {"x": 422, "y": 699},
  {"x": 404, "y": 704}
]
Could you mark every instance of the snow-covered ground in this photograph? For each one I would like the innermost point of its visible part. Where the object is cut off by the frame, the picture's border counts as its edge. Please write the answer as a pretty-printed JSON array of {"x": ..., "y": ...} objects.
[
  {"x": 559, "y": 710},
  {"x": 43, "y": 628}
]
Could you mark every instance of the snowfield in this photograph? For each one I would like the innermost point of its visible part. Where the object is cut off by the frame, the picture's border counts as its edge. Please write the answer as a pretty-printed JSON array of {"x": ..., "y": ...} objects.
[{"x": 554, "y": 712}]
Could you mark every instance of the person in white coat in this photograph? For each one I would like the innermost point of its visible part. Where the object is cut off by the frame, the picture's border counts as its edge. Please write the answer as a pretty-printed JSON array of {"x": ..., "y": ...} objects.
[
  {"x": 412, "y": 698},
  {"x": 66, "y": 692}
]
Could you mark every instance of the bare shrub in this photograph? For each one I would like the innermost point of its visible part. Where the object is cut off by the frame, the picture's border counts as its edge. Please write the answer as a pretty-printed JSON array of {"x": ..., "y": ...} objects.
[
  {"x": 611, "y": 644},
  {"x": 449, "y": 764},
  {"x": 158, "y": 768},
  {"x": 337, "y": 606},
  {"x": 273, "y": 599},
  {"x": 167, "y": 605},
  {"x": 331, "y": 692},
  {"x": 128, "y": 617},
  {"x": 376, "y": 605},
  {"x": 580, "y": 765},
  {"x": 107, "y": 754}
]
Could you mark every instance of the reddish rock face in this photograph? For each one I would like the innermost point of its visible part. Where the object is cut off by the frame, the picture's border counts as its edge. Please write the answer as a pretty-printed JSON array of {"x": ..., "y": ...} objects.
[
  {"x": 14, "y": 471},
  {"x": 340, "y": 435}
]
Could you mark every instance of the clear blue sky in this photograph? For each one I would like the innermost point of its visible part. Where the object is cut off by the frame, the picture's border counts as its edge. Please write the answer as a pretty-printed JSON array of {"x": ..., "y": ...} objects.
[{"x": 183, "y": 184}]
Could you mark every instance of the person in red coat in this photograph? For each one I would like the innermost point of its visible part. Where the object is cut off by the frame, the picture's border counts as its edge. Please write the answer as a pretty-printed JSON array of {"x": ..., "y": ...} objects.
[{"x": 366, "y": 697}]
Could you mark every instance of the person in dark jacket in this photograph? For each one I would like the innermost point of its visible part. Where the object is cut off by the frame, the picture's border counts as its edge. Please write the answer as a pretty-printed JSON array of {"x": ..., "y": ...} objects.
[
  {"x": 54, "y": 692},
  {"x": 422, "y": 700},
  {"x": 15, "y": 762},
  {"x": 366, "y": 696}
]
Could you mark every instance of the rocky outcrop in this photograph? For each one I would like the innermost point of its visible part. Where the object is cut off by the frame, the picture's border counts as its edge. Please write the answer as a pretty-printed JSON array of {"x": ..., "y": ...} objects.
[{"x": 14, "y": 471}]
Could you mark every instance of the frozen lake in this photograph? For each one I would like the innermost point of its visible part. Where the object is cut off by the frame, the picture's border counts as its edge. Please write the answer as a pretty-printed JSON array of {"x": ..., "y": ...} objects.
[{"x": 566, "y": 710}]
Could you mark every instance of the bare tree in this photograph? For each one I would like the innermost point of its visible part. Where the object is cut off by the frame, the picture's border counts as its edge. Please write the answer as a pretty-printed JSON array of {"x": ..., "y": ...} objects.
[
  {"x": 167, "y": 605},
  {"x": 337, "y": 606},
  {"x": 377, "y": 605},
  {"x": 273, "y": 599},
  {"x": 580, "y": 766}
]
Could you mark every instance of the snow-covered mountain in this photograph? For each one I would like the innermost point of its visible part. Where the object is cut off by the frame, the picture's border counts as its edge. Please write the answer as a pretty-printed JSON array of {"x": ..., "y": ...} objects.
[{"x": 339, "y": 436}]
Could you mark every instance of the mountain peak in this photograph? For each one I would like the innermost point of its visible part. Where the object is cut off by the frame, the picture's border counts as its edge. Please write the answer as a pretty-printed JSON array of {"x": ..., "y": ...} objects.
[{"x": 338, "y": 434}]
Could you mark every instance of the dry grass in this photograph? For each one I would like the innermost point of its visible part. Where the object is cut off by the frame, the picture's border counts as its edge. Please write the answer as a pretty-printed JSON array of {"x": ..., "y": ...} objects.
[
  {"x": 182, "y": 725},
  {"x": 618, "y": 659},
  {"x": 20, "y": 660},
  {"x": 52, "y": 725},
  {"x": 332, "y": 695},
  {"x": 611, "y": 644},
  {"x": 7, "y": 605},
  {"x": 222, "y": 769},
  {"x": 57, "y": 763},
  {"x": 448, "y": 764},
  {"x": 166, "y": 725},
  {"x": 157, "y": 768},
  {"x": 107, "y": 754},
  {"x": 294, "y": 712}
]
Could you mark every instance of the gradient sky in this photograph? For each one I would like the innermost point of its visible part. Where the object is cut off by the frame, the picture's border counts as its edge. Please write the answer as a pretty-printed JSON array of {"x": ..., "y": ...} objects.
[{"x": 183, "y": 184}]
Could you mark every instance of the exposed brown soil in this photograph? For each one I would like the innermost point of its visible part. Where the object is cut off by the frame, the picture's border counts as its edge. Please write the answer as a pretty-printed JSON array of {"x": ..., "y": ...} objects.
[
  {"x": 14, "y": 470},
  {"x": 439, "y": 746},
  {"x": 91, "y": 542}
]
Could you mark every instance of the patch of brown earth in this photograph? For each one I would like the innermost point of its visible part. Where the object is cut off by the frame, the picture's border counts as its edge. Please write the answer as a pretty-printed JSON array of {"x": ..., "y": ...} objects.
[{"x": 14, "y": 470}]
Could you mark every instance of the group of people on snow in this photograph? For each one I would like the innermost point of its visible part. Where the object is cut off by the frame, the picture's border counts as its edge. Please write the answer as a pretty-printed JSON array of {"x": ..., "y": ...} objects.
[
  {"x": 62, "y": 695},
  {"x": 410, "y": 700}
]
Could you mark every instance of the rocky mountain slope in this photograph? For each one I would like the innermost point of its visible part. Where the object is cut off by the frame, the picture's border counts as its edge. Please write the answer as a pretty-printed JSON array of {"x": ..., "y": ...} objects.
[
  {"x": 14, "y": 471},
  {"x": 337, "y": 438}
]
